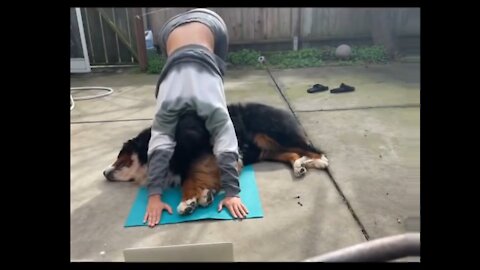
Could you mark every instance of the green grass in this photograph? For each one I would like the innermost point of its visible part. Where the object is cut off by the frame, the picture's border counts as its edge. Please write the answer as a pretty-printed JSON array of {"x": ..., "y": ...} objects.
[{"x": 310, "y": 57}]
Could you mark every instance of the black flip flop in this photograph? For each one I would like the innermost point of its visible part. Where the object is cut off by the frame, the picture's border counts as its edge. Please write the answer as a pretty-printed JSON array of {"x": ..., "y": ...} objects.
[
  {"x": 342, "y": 89},
  {"x": 317, "y": 88}
]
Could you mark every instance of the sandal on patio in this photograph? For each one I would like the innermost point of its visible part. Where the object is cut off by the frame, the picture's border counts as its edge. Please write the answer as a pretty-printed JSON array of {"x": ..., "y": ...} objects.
[
  {"x": 342, "y": 89},
  {"x": 317, "y": 88}
]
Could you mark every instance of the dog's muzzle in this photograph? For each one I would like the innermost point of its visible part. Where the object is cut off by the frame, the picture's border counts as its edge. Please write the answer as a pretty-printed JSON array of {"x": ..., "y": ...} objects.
[{"x": 108, "y": 173}]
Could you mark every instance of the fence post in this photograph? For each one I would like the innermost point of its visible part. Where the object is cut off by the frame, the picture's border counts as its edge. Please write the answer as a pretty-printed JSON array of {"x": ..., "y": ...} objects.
[
  {"x": 383, "y": 30},
  {"x": 140, "y": 38},
  {"x": 298, "y": 30}
]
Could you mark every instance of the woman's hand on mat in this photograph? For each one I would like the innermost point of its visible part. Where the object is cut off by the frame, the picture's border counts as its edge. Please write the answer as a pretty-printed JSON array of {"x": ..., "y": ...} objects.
[
  {"x": 154, "y": 210},
  {"x": 235, "y": 206}
]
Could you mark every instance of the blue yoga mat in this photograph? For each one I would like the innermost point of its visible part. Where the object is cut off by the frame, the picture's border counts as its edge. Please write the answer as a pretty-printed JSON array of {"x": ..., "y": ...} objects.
[{"x": 249, "y": 195}]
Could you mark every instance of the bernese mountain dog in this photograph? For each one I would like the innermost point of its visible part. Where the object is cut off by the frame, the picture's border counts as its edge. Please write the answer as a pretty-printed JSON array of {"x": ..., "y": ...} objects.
[{"x": 264, "y": 133}]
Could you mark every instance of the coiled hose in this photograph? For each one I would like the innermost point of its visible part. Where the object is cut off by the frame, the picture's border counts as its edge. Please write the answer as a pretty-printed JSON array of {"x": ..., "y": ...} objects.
[{"x": 72, "y": 100}]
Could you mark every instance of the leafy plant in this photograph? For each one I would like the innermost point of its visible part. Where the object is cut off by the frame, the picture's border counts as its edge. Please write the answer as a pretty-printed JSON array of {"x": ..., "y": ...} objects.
[
  {"x": 155, "y": 62},
  {"x": 244, "y": 57},
  {"x": 371, "y": 54}
]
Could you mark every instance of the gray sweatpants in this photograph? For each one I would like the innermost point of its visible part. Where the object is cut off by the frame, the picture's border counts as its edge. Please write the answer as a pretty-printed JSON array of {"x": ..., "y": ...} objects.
[
  {"x": 202, "y": 15},
  {"x": 192, "y": 80}
]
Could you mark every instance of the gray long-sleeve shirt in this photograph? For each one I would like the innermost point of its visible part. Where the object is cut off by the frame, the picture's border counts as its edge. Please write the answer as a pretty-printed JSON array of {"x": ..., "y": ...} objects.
[{"x": 191, "y": 80}]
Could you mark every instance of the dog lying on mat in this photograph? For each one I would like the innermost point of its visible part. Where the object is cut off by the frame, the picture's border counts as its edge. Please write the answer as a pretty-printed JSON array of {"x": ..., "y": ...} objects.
[{"x": 264, "y": 133}]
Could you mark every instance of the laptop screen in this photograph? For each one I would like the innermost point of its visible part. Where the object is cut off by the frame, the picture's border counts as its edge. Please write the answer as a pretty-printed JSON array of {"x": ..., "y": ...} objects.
[{"x": 211, "y": 252}]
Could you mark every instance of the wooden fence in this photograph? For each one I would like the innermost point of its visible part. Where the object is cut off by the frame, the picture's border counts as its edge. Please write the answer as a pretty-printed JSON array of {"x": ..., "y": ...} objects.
[
  {"x": 270, "y": 25},
  {"x": 110, "y": 32}
]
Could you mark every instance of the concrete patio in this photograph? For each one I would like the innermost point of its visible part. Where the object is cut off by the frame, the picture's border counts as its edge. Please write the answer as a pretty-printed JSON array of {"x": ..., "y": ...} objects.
[{"x": 371, "y": 137}]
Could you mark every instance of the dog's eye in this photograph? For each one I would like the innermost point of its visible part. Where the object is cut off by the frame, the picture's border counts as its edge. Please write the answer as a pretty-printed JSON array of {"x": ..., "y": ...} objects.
[
  {"x": 126, "y": 164},
  {"x": 123, "y": 161}
]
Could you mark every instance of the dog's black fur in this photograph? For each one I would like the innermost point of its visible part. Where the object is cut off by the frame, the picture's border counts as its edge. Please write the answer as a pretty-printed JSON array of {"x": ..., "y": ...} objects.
[
  {"x": 250, "y": 119},
  {"x": 192, "y": 142}
]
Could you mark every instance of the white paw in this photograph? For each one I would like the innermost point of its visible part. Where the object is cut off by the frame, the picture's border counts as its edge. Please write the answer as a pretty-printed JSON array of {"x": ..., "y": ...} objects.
[
  {"x": 206, "y": 198},
  {"x": 299, "y": 167},
  {"x": 319, "y": 163},
  {"x": 187, "y": 207}
]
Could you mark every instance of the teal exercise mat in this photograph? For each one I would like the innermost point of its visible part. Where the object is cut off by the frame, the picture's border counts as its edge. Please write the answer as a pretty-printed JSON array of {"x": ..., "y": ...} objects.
[{"x": 172, "y": 196}]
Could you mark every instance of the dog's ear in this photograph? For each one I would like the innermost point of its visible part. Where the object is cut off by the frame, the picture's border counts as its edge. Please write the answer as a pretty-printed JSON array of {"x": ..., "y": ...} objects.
[
  {"x": 127, "y": 148},
  {"x": 141, "y": 149},
  {"x": 137, "y": 144}
]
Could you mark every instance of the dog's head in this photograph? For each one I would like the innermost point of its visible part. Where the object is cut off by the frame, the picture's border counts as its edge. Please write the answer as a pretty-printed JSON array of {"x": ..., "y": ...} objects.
[{"x": 131, "y": 163}]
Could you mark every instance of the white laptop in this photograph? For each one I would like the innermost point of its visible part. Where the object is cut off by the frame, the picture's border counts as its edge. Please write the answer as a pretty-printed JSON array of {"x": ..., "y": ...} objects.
[{"x": 211, "y": 252}]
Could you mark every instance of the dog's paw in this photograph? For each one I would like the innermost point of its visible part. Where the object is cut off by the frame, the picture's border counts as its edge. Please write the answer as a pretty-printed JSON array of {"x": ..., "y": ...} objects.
[
  {"x": 325, "y": 159},
  {"x": 187, "y": 207},
  {"x": 319, "y": 163},
  {"x": 206, "y": 198},
  {"x": 299, "y": 168}
]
